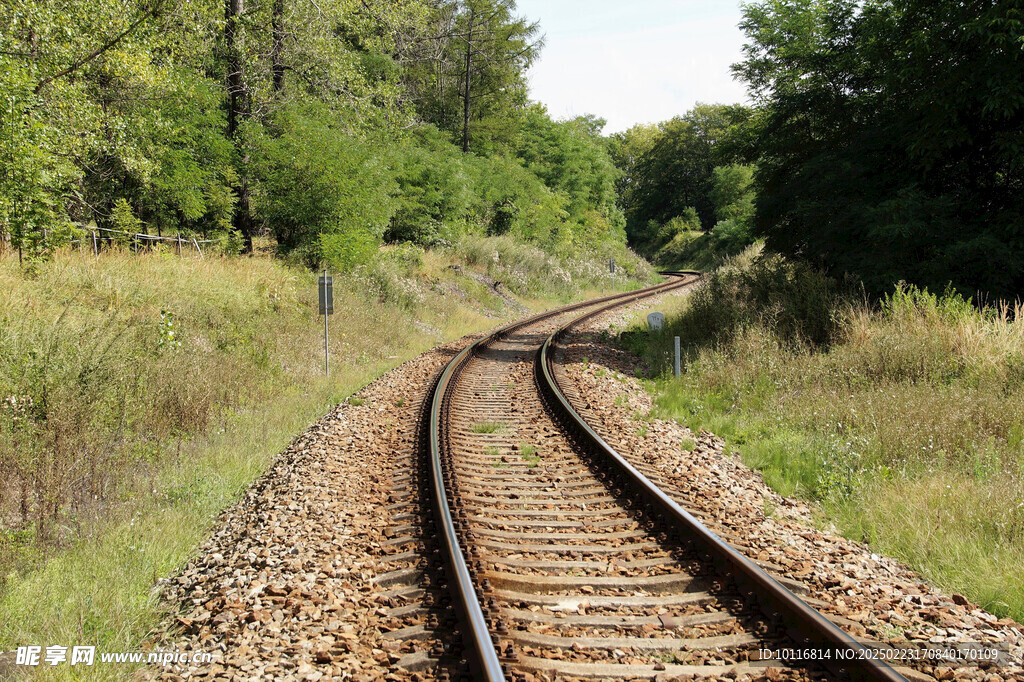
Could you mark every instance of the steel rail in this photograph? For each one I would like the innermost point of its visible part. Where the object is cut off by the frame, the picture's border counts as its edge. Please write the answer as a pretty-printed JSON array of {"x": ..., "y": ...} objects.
[
  {"x": 807, "y": 625},
  {"x": 481, "y": 654}
]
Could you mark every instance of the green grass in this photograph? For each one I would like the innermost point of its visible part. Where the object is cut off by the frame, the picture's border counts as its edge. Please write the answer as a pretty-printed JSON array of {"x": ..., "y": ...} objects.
[
  {"x": 97, "y": 591},
  {"x": 528, "y": 452},
  {"x": 169, "y": 436},
  {"x": 488, "y": 427},
  {"x": 904, "y": 428}
]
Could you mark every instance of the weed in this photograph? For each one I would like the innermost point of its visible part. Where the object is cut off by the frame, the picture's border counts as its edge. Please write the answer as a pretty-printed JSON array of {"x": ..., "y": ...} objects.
[
  {"x": 902, "y": 421},
  {"x": 529, "y": 453},
  {"x": 489, "y": 427},
  {"x": 140, "y": 442}
]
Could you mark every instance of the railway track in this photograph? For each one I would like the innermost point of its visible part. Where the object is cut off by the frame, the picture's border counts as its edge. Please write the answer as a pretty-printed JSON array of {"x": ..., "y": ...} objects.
[{"x": 564, "y": 561}]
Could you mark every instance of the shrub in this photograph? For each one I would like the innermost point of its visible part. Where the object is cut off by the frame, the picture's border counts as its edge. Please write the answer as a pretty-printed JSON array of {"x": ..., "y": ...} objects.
[
  {"x": 687, "y": 223},
  {"x": 432, "y": 198},
  {"x": 791, "y": 301},
  {"x": 732, "y": 235},
  {"x": 324, "y": 193}
]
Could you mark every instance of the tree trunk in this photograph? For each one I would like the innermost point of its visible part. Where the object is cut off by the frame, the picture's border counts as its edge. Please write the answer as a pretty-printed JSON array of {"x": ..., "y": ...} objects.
[
  {"x": 234, "y": 41},
  {"x": 242, "y": 220},
  {"x": 465, "y": 94},
  {"x": 238, "y": 110},
  {"x": 277, "y": 49}
]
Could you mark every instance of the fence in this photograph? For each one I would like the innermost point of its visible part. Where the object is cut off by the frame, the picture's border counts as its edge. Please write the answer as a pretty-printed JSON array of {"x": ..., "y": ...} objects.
[{"x": 139, "y": 241}]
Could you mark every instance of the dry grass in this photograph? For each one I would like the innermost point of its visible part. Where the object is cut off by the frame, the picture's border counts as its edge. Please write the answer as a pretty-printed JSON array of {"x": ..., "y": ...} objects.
[
  {"x": 906, "y": 427},
  {"x": 118, "y": 447}
]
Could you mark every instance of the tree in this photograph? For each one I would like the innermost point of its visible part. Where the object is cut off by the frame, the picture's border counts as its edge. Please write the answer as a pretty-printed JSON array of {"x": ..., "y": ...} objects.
[
  {"x": 675, "y": 171},
  {"x": 870, "y": 163},
  {"x": 469, "y": 78},
  {"x": 58, "y": 64},
  {"x": 569, "y": 157},
  {"x": 627, "y": 149}
]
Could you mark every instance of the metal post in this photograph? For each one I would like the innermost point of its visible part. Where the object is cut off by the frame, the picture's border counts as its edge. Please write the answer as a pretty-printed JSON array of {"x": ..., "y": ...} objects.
[
  {"x": 677, "y": 356},
  {"x": 95, "y": 245},
  {"x": 327, "y": 358}
]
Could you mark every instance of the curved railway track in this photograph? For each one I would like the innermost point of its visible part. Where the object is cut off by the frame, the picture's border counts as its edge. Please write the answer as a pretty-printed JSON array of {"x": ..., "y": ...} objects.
[{"x": 564, "y": 561}]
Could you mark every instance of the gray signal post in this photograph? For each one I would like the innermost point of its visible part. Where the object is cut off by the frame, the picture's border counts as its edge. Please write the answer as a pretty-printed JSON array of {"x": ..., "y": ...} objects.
[
  {"x": 611, "y": 269},
  {"x": 326, "y": 308}
]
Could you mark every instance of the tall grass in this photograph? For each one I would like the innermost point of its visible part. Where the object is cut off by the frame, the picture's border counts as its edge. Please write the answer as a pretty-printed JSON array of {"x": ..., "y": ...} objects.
[
  {"x": 140, "y": 395},
  {"x": 903, "y": 421},
  {"x": 529, "y": 271}
]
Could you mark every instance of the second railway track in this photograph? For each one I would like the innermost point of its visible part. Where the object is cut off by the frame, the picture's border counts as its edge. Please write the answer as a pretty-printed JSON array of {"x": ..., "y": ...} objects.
[{"x": 561, "y": 564}]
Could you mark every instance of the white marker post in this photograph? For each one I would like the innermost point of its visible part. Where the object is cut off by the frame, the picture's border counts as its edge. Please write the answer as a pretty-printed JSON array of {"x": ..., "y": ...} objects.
[
  {"x": 677, "y": 357},
  {"x": 326, "y": 308}
]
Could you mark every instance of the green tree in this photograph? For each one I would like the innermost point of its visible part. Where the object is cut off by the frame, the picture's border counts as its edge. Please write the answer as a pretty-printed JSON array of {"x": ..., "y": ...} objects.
[
  {"x": 627, "y": 150},
  {"x": 732, "y": 192},
  {"x": 570, "y": 158},
  {"x": 470, "y": 77},
  {"x": 869, "y": 161},
  {"x": 325, "y": 194},
  {"x": 676, "y": 172}
]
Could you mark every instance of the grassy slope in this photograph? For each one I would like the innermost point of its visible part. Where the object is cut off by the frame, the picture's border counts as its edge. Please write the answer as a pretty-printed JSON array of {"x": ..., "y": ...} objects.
[
  {"x": 251, "y": 358},
  {"x": 907, "y": 433}
]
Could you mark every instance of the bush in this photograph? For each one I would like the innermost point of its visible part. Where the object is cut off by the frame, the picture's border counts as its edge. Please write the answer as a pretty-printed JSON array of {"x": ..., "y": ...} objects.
[
  {"x": 685, "y": 224},
  {"x": 733, "y": 235},
  {"x": 791, "y": 301},
  {"x": 432, "y": 199},
  {"x": 323, "y": 192}
]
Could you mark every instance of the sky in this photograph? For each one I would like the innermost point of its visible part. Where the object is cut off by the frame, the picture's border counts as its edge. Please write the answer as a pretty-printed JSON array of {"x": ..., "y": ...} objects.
[{"x": 639, "y": 61}]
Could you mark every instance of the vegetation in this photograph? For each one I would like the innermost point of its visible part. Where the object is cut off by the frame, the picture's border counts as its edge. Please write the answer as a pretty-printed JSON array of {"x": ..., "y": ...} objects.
[
  {"x": 329, "y": 127},
  {"x": 829, "y": 360},
  {"x": 528, "y": 452},
  {"x": 868, "y": 162},
  {"x": 901, "y": 420},
  {"x": 141, "y": 394},
  {"x": 489, "y": 427},
  {"x": 393, "y": 142},
  {"x": 687, "y": 194}
]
